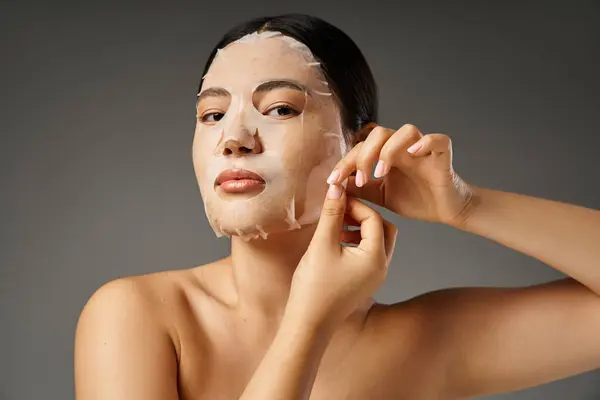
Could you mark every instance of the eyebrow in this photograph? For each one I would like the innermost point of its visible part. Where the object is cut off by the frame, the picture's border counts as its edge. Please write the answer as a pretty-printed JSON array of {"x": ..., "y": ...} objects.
[
  {"x": 281, "y": 84},
  {"x": 212, "y": 92},
  {"x": 262, "y": 88}
]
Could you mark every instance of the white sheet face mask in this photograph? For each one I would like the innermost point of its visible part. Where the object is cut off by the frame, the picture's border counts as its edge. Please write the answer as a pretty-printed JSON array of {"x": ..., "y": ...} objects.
[{"x": 265, "y": 109}]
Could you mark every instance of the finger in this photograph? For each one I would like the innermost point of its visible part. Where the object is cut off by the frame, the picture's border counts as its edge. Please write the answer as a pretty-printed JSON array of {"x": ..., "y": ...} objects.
[
  {"x": 345, "y": 166},
  {"x": 332, "y": 216},
  {"x": 390, "y": 232},
  {"x": 351, "y": 237},
  {"x": 398, "y": 143},
  {"x": 373, "y": 191},
  {"x": 349, "y": 221},
  {"x": 369, "y": 153},
  {"x": 371, "y": 225},
  {"x": 437, "y": 143}
]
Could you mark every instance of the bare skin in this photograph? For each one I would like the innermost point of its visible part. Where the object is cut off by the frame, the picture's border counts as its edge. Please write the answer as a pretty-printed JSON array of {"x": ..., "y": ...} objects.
[
  {"x": 291, "y": 317},
  {"x": 189, "y": 334},
  {"x": 214, "y": 350}
]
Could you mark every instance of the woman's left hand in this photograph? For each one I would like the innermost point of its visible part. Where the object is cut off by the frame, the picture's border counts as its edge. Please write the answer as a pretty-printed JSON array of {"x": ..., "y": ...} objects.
[{"x": 414, "y": 175}]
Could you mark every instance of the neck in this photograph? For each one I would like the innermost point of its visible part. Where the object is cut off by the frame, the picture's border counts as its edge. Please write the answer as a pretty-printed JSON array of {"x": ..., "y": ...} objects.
[{"x": 263, "y": 268}]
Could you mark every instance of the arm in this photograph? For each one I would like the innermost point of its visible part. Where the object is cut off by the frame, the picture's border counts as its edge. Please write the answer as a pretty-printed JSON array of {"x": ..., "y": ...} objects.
[
  {"x": 289, "y": 367},
  {"x": 492, "y": 340},
  {"x": 563, "y": 236},
  {"x": 121, "y": 351},
  {"x": 509, "y": 339}
]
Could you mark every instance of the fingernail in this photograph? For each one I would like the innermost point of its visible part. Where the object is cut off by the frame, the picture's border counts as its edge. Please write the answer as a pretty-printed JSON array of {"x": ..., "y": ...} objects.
[
  {"x": 334, "y": 192},
  {"x": 414, "y": 148},
  {"x": 379, "y": 171},
  {"x": 360, "y": 179},
  {"x": 333, "y": 177}
]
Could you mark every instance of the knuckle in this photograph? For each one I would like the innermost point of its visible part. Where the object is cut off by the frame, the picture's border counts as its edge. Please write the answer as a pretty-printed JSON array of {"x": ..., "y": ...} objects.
[
  {"x": 334, "y": 209},
  {"x": 363, "y": 160},
  {"x": 354, "y": 151},
  {"x": 442, "y": 136},
  {"x": 377, "y": 218},
  {"x": 448, "y": 142},
  {"x": 344, "y": 165},
  {"x": 341, "y": 165},
  {"x": 386, "y": 153},
  {"x": 442, "y": 141},
  {"x": 410, "y": 128},
  {"x": 358, "y": 146},
  {"x": 379, "y": 131}
]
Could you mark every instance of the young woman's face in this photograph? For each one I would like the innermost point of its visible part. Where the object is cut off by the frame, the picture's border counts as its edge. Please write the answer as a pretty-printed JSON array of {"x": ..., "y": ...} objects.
[{"x": 268, "y": 134}]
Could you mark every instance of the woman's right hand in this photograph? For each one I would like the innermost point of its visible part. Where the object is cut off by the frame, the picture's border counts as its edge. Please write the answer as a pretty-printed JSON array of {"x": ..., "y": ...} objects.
[{"x": 332, "y": 280}]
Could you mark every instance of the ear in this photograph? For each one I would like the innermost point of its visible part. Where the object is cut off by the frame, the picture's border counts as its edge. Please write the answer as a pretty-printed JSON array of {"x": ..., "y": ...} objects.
[{"x": 362, "y": 134}]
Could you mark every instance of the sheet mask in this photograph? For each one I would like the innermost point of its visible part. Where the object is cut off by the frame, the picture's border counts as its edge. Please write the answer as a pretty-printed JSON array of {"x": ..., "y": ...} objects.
[{"x": 293, "y": 155}]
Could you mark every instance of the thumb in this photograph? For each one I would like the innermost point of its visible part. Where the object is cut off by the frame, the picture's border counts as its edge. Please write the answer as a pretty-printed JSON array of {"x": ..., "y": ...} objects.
[{"x": 332, "y": 216}]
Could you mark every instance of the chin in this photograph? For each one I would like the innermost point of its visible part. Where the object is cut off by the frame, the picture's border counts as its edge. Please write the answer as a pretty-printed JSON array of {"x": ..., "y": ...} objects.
[{"x": 251, "y": 222}]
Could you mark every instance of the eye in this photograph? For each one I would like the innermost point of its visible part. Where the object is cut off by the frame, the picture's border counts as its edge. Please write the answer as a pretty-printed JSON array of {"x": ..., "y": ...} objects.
[
  {"x": 282, "y": 111},
  {"x": 212, "y": 117}
]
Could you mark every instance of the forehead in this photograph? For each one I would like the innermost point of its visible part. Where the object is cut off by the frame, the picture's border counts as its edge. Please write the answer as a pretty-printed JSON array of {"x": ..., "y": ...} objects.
[{"x": 248, "y": 62}]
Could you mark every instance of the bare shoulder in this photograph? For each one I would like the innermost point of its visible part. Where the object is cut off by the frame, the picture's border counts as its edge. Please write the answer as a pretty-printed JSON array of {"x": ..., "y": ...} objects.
[
  {"x": 144, "y": 296},
  {"x": 126, "y": 343},
  {"x": 490, "y": 340},
  {"x": 158, "y": 300},
  {"x": 138, "y": 291},
  {"x": 399, "y": 341},
  {"x": 414, "y": 318}
]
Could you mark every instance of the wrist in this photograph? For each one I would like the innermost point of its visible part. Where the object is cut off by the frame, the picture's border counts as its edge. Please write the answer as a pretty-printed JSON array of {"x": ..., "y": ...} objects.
[
  {"x": 302, "y": 321},
  {"x": 471, "y": 205}
]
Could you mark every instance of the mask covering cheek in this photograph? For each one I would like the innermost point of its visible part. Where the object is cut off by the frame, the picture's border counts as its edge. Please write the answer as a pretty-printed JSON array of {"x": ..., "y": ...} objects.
[
  {"x": 311, "y": 191},
  {"x": 293, "y": 156}
]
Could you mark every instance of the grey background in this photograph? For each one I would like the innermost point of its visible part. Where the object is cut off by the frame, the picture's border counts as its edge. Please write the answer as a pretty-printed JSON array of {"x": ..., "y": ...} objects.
[{"x": 97, "y": 118}]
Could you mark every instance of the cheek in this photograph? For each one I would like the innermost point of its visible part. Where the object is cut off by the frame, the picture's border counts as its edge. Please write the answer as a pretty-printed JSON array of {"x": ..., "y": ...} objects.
[
  {"x": 313, "y": 141},
  {"x": 302, "y": 154},
  {"x": 201, "y": 153}
]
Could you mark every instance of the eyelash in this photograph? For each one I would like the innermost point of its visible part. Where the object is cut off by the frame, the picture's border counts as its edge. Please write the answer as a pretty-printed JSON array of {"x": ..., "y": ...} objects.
[
  {"x": 285, "y": 106},
  {"x": 205, "y": 116}
]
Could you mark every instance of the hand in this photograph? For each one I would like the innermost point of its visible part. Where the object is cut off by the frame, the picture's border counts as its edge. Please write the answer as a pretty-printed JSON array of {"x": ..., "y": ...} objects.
[
  {"x": 332, "y": 280},
  {"x": 420, "y": 185}
]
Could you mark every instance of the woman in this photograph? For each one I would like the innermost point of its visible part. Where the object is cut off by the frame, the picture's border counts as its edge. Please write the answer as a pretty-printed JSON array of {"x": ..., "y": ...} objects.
[{"x": 286, "y": 120}]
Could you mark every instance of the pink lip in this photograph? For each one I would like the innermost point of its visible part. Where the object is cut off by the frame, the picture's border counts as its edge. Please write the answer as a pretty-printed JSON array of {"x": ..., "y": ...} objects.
[{"x": 239, "y": 181}]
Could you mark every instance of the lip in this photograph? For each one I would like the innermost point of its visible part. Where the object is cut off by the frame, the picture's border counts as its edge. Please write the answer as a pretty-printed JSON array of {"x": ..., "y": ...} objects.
[{"x": 239, "y": 181}]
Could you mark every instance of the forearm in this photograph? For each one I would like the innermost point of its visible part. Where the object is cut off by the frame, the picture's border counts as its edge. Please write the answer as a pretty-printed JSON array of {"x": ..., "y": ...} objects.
[
  {"x": 289, "y": 367},
  {"x": 563, "y": 236}
]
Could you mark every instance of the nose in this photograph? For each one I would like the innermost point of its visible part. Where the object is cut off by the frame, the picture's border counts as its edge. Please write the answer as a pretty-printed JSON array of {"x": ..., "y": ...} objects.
[
  {"x": 240, "y": 142},
  {"x": 238, "y": 138},
  {"x": 237, "y": 147}
]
